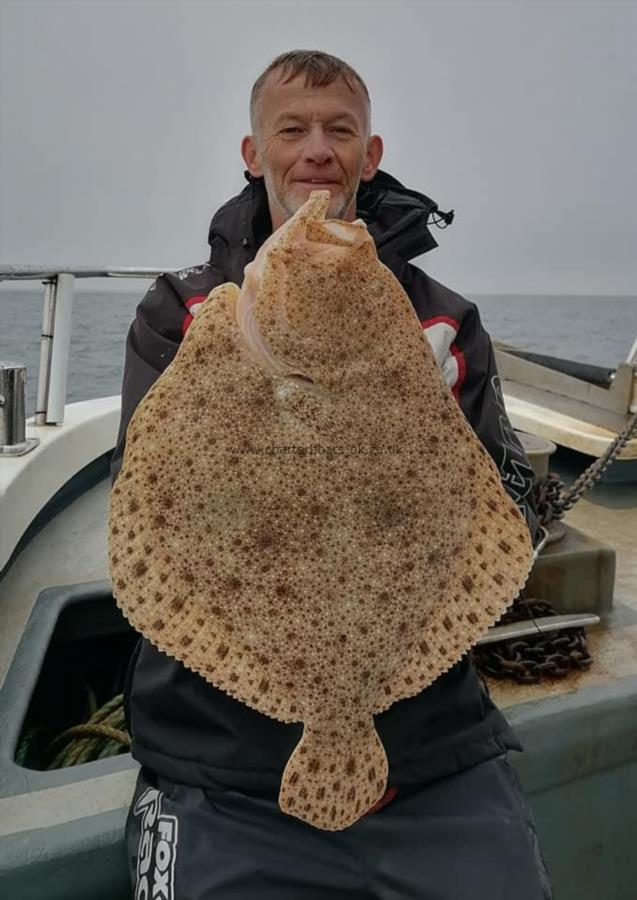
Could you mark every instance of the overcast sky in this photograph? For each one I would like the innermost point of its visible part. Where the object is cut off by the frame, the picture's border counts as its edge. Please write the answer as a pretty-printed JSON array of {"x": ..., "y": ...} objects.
[{"x": 121, "y": 122}]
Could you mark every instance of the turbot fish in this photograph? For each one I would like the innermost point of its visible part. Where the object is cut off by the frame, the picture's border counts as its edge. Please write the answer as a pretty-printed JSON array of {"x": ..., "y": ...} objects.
[{"x": 304, "y": 517}]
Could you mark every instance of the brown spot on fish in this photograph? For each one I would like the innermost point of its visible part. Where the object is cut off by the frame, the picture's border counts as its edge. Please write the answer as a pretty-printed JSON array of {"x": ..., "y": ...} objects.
[{"x": 140, "y": 568}]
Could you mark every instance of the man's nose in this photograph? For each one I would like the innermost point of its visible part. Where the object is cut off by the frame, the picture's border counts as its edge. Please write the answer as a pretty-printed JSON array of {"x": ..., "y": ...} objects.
[{"x": 317, "y": 147}]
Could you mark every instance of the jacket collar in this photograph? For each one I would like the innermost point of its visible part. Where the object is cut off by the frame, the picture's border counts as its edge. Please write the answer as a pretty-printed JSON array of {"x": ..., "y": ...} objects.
[{"x": 397, "y": 219}]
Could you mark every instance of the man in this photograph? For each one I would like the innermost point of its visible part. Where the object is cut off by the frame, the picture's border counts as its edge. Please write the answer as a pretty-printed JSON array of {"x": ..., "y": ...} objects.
[{"x": 204, "y": 821}]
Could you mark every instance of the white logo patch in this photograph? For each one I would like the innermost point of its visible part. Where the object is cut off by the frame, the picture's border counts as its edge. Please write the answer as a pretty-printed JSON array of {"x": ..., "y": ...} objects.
[
  {"x": 192, "y": 270},
  {"x": 157, "y": 849}
]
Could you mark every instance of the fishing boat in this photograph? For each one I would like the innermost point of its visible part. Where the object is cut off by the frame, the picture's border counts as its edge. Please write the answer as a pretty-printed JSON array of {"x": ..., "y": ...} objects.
[{"x": 66, "y": 776}]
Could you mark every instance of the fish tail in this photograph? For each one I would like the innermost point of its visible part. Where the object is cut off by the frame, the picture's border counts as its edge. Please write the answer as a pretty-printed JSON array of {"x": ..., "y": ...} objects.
[{"x": 334, "y": 776}]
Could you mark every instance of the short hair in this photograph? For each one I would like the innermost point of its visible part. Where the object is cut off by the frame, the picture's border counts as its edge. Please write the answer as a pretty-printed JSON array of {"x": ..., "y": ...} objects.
[{"x": 320, "y": 69}]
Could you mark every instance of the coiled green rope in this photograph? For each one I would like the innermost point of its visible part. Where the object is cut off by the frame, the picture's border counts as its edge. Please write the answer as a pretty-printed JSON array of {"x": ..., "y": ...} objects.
[{"x": 104, "y": 734}]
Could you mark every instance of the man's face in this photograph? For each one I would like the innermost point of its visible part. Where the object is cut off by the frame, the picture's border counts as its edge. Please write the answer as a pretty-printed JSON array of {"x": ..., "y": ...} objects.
[{"x": 308, "y": 139}]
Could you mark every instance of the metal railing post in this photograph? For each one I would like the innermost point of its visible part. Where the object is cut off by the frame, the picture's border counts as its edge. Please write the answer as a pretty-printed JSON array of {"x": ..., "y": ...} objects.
[
  {"x": 46, "y": 340},
  {"x": 56, "y": 325},
  {"x": 56, "y": 398},
  {"x": 13, "y": 393}
]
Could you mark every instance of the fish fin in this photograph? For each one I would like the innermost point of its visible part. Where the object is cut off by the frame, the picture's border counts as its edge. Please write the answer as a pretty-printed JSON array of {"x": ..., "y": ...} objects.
[{"x": 331, "y": 783}]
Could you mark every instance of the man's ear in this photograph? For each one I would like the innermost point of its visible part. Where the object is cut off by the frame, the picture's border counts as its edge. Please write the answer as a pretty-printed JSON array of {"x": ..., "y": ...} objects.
[
  {"x": 374, "y": 155},
  {"x": 250, "y": 156}
]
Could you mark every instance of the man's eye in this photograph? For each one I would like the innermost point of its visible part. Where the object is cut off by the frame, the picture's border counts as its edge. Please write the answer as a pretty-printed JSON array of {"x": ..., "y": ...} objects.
[{"x": 288, "y": 130}]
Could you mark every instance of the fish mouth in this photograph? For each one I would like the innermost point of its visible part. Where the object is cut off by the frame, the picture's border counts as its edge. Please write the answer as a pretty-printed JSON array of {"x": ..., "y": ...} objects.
[
  {"x": 308, "y": 226},
  {"x": 315, "y": 228}
]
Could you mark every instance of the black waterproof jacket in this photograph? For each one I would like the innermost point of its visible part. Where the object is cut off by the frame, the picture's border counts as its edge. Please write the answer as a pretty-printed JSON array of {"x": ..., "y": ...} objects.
[{"x": 182, "y": 727}]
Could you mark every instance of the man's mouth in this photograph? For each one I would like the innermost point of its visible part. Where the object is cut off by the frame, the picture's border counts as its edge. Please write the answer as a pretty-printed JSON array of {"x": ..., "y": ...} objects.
[{"x": 315, "y": 181}]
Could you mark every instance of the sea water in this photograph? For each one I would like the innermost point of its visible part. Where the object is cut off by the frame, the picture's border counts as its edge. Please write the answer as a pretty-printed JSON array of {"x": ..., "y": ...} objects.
[{"x": 598, "y": 330}]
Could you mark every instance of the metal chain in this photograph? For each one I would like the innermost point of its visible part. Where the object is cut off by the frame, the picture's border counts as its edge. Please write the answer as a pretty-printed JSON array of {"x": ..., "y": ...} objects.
[
  {"x": 548, "y": 494},
  {"x": 553, "y": 499},
  {"x": 588, "y": 478},
  {"x": 527, "y": 660}
]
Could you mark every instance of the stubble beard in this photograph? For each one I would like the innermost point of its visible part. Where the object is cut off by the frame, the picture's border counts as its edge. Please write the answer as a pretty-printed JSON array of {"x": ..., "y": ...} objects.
[{"x": 290, "y": 208}]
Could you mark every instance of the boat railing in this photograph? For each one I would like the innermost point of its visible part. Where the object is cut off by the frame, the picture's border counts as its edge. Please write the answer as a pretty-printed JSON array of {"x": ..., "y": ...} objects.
[
  {"x": 611, "y": 391},
  {"x": 55, "y": 339},
  {"x": 618, "y": 394}
]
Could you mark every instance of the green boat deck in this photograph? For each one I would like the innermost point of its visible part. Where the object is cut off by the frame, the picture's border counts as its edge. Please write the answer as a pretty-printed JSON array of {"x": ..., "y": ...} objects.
[{"x": 62, "y": 832}]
